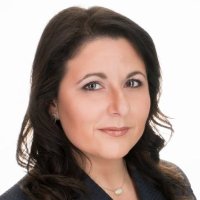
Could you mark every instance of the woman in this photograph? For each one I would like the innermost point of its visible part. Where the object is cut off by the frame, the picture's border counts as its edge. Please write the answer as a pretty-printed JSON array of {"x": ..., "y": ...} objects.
[{"x": 91, "y": 130}]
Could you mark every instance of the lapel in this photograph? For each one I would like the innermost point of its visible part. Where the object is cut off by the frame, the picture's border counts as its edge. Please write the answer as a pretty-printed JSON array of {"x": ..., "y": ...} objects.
[
  {"x": 145, "y": 190},
  {"x": 94, "y": 190}
]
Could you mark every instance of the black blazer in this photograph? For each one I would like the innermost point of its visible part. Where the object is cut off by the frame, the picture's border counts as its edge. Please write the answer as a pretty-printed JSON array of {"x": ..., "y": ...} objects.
[{"x": 146, "y": 191}]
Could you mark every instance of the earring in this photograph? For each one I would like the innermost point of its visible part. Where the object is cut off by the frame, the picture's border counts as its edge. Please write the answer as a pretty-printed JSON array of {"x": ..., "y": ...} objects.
[{"x": 55, "y": 117}]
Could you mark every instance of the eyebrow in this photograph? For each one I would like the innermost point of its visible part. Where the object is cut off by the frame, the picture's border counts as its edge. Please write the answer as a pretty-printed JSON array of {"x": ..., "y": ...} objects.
[{"x": 103, "y": 76}]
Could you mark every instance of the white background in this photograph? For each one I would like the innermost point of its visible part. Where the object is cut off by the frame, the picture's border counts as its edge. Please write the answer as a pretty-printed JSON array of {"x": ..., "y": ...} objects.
[{"x": 175, "y": 28}]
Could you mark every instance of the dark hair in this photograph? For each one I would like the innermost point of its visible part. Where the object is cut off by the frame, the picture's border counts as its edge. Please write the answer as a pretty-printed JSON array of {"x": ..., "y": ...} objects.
[{"x": 43, "y": 148}]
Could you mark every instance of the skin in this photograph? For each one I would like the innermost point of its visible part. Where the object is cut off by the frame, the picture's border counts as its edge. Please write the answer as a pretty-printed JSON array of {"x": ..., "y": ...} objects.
[{"x": 114, "y": 101}]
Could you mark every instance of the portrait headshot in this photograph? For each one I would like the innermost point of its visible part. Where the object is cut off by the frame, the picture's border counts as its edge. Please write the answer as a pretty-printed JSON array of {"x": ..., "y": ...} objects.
[{"x": 99, "y": 100}]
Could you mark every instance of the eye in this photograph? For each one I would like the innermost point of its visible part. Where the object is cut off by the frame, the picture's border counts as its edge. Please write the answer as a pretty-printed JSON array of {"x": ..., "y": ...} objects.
[
  {"x": 133, "y": 83},
  {"x": 92, "y": 86}
]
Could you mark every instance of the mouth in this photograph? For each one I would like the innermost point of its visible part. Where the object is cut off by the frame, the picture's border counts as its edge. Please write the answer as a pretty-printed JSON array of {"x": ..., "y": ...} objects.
[{"x": 115, "y": 132}]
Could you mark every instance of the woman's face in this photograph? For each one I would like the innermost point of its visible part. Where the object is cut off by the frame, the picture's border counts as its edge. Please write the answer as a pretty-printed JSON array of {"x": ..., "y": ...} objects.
[{"x": 105, "y": 86}]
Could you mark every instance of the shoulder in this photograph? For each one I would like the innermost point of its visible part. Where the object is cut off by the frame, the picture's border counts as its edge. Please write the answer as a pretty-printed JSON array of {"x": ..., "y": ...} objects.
[
  {"x": 175, "y": 170},
  {"x": 14, "y": 193}
]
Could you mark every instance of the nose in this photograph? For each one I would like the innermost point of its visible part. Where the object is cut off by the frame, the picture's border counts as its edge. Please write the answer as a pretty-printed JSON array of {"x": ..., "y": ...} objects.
[{"x": 118, "y": 103}]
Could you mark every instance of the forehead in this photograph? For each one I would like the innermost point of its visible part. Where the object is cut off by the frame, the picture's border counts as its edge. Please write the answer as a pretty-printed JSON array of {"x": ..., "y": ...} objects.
[
  {"x": 105, "y": 53},
  {"x": 102, "y": 46},
  {"x": 103, "y": 43}
]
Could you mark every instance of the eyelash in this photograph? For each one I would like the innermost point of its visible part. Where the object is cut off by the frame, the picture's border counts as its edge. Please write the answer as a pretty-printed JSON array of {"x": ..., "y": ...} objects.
[{"x": 85, "y": 87}]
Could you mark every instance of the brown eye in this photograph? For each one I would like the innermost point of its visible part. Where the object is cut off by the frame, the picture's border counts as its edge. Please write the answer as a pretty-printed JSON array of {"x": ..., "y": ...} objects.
[{"x": 133, "y": 83}]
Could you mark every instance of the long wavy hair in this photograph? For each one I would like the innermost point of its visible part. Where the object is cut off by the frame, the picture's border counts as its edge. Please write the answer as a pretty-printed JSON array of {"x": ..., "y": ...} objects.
[{"x": 43, "y": 148}]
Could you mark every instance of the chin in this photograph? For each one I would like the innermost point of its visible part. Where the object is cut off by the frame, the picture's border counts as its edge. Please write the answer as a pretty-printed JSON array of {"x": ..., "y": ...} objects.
[{"x": 114, "y": 155}]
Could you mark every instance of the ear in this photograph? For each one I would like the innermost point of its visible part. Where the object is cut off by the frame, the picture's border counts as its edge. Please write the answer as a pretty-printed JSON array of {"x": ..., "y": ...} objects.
[{"x": 53, "y": 110}]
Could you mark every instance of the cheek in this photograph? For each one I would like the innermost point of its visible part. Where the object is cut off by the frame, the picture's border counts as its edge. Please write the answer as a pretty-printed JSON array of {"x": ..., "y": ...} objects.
[
  {"x": 145, "y": 107},
  {"x": 140, "y": 105},
  {"x": 140, "y": 113},
  {"x": 79, "y": 119},
  {"x": 78, "y": 116}
]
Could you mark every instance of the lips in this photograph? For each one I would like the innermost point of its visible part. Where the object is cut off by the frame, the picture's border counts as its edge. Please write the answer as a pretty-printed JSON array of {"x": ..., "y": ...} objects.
[{"x": 115, "y": 132}]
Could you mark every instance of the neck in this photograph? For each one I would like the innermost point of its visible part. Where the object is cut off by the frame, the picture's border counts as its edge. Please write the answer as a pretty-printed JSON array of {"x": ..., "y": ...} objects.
[
  {"x": 112, "y": 176},
  {"x": 107, "y": 173}
]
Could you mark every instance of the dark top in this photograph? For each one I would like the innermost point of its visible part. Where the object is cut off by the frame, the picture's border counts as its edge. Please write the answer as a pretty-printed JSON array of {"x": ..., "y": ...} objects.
[{"x": 146, "y": 191}]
